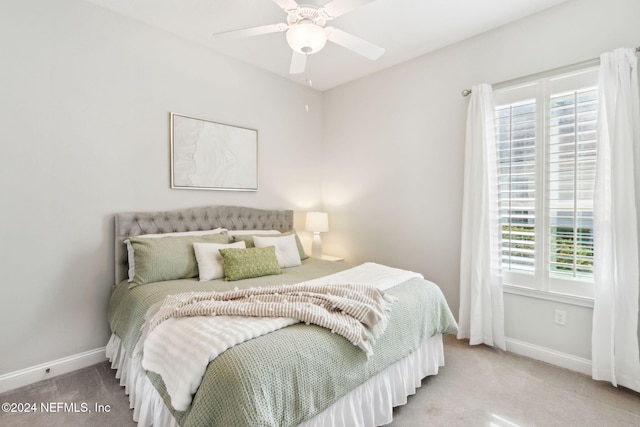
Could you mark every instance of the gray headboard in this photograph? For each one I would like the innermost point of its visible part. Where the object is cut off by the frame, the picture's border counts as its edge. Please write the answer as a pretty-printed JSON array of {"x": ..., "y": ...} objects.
[{"x": 130, "y": 224}]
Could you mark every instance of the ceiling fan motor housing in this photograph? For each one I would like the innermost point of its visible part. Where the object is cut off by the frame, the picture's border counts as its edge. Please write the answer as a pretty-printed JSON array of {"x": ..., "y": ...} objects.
[{"x": 307, "y": 13}]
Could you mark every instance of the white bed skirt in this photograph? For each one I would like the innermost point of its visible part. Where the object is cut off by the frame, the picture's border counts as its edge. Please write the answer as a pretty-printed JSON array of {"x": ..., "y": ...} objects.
[{"x": 370, "y": 404}]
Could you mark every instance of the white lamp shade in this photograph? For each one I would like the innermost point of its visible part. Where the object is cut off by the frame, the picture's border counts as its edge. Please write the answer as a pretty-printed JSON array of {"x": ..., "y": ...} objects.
[
  {"x": 306, "y": 37},
  {"x": 317, "y": 222}
]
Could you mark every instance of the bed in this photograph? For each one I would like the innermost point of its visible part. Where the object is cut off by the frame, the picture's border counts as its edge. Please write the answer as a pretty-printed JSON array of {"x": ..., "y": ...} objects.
[{"x": 297, "y": 374}]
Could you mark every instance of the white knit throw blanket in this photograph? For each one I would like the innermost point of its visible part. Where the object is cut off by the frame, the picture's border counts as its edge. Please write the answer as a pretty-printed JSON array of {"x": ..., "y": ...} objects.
[{"x": 351, "y": 303}]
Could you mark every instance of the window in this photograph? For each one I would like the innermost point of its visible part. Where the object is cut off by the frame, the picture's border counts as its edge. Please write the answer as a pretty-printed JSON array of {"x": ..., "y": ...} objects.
[{"x": 546, "y": 140}]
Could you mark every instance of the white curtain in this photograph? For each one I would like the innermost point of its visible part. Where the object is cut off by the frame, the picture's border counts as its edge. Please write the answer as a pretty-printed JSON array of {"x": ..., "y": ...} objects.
[
  {"x": 481, "y": 316},
  {"x": 615, "y": 355}
]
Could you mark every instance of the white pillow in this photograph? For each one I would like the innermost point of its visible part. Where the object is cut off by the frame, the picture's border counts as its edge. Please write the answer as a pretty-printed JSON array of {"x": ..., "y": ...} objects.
[
  {"x": 210, "y": 262},
  {"x": 286, "y": 248},
  {"x": 244, "y": 232},
  {"x": 130, "y": 255}
]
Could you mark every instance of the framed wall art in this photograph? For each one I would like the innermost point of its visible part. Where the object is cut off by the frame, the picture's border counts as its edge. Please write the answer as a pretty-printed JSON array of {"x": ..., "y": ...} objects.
[{"x": 206, "y": 155}]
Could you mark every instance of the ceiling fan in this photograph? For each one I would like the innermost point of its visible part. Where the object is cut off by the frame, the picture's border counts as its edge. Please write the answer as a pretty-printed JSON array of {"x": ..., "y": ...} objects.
[{"x": 307, "y": 33}]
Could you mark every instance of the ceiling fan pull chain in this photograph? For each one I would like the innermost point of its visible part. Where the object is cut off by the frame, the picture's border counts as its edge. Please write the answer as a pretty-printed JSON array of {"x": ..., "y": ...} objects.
[
  {"x": 307, "y": 79},
  {"x": 307, "y": 73}
]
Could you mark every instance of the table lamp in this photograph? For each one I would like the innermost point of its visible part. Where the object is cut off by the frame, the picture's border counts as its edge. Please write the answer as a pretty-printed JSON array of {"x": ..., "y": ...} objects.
[{"x": 317, "y": 222}]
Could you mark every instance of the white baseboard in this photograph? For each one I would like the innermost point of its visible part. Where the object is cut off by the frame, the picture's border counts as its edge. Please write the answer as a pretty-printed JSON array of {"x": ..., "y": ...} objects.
[
  {"x": 563, "y": 360},
  {"x": 51, "y": 369}
]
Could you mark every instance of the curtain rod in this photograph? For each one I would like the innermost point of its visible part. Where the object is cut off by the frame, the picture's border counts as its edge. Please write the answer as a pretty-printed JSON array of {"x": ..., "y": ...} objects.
[{"x": 583, "y": 64}]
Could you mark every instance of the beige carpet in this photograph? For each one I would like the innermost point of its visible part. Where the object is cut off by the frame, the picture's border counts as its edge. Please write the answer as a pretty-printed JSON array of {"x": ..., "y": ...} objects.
[{"x": 479, "y": 386}]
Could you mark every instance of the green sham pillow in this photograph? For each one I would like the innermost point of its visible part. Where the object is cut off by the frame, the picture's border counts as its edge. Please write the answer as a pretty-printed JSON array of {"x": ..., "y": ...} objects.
[
  {"x": 168, "y": 258},
  {"x": 248, "y": 240},
  {"x": 251, "y": 262}
]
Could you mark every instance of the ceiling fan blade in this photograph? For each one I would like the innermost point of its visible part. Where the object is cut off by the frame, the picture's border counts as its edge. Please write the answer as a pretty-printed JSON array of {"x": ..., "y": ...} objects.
[
  {"x": 298, "y": 63},
  {"x": 253, "y": 31},
  {"x": 356, "y": 44},
  {"x": 286, "y": 5},
  {"x": 336, "y": 8}
]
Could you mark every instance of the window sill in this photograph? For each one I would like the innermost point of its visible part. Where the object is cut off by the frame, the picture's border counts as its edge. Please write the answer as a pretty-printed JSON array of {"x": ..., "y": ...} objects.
[{"x": 549, "y": 296}]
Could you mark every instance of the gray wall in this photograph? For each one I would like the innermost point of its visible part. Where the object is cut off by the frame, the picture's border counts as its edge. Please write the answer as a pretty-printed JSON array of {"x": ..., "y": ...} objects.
[
  {"x": 85, "y": 97},
  {"x": 394, "y": 152}
]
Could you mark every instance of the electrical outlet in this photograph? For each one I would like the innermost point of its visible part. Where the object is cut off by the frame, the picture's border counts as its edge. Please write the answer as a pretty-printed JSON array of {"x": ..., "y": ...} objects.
[{"x": 560, "y": 317}]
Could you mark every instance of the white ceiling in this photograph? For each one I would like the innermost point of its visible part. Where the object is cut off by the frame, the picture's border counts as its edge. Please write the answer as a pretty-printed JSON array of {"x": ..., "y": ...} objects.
[{"x": 405, "y": 28}]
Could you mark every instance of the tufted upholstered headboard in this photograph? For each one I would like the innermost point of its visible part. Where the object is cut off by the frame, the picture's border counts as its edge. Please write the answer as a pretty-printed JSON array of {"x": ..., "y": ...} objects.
[{"x": 130, "y": 224}]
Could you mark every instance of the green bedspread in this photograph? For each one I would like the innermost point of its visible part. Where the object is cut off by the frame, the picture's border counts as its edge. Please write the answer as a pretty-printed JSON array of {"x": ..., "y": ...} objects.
[{"x": 290, "y": 375}]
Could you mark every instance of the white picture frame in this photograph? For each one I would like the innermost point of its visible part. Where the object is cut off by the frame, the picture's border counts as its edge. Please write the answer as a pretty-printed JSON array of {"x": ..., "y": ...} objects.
[{"x": 206, "y": 155}]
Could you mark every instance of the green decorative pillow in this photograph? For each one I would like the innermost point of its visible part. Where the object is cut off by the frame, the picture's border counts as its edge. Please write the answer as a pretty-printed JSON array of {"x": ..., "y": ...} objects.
[
  {"x": 248, "y": 240},
  {"x": 168, "y": 258},
  {"x": 251, "y": 262}
]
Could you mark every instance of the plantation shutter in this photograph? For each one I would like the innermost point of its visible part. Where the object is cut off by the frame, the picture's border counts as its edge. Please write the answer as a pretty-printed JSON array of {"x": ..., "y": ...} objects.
[
  {"x": 516, "y": 135},
  {"x": 571, "y": 163}
]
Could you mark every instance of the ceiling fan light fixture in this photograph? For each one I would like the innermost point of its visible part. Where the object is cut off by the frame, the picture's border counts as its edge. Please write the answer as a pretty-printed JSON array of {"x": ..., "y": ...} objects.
[{"x": 306, "y": 37}]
